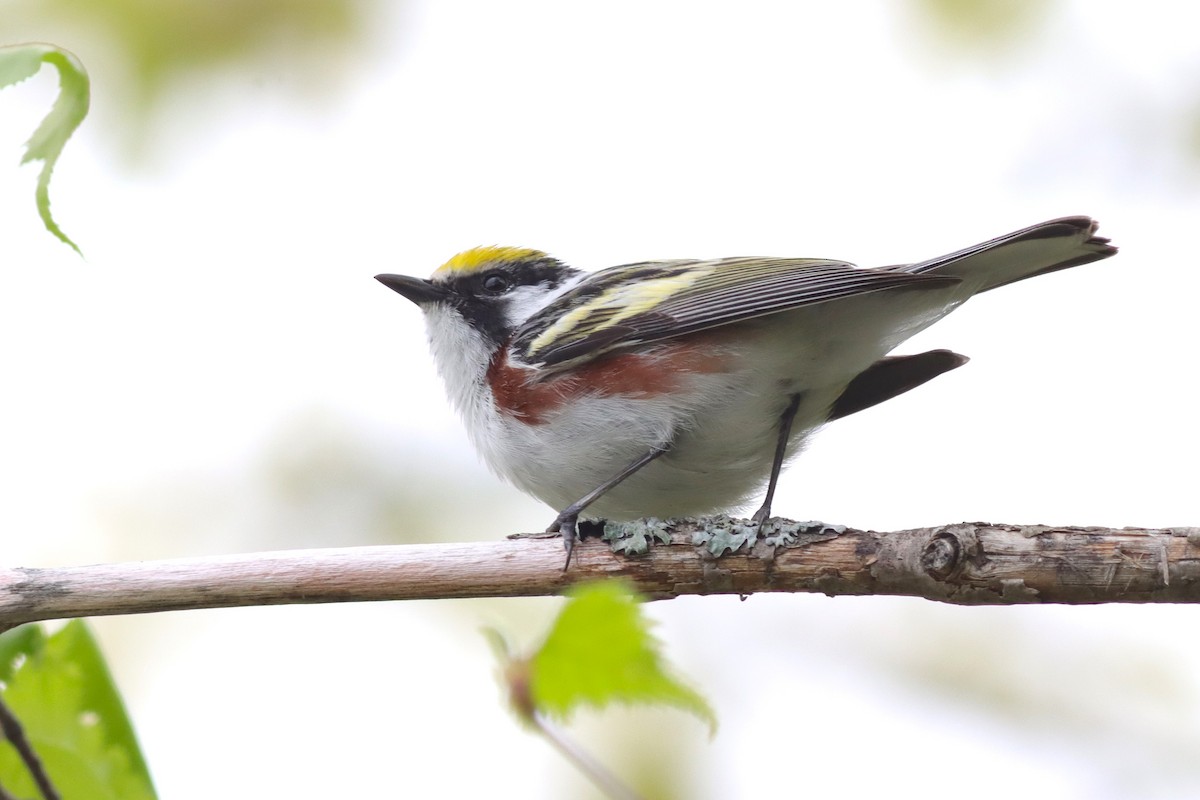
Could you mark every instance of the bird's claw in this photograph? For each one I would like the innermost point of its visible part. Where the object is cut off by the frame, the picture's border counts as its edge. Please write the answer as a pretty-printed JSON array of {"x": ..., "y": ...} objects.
[{"x": 568, "y": 526}]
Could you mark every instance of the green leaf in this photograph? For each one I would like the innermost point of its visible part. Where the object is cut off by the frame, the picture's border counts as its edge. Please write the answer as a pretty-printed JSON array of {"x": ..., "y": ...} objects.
[
  {"x": 19, "y": 62},
  {"x": 17, "y": 644},
  {"x": 601, "y": 651},
  {"x": 60, "y": 689}
]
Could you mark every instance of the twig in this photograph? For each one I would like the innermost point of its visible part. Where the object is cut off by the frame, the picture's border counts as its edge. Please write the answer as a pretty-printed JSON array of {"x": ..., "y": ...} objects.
[
  {"x": 12, "y": 730},
  {"x": 971, "y": 563},
  {"x": 596, "y": 772}
]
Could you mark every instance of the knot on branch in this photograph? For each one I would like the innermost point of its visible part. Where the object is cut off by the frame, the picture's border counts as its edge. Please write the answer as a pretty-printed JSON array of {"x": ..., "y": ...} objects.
[{"x": 941, "y": 556}]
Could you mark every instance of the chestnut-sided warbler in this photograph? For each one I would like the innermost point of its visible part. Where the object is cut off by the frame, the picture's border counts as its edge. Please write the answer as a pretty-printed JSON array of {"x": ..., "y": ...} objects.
[{"x": 677, "y": 388}]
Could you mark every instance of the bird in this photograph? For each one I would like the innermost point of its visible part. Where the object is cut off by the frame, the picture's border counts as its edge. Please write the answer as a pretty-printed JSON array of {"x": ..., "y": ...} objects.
[{"x": 681, "y": 388}]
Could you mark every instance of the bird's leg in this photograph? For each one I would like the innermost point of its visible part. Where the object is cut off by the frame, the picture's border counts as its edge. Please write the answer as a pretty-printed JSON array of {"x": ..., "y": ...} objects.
[
  {"x": 785, "y": 432},
  {"x": 567, "y": 520}
]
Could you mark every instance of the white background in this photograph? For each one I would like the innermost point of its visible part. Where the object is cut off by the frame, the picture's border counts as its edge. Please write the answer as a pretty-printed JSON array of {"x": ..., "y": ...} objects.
[{"x": 221, "y": 374}]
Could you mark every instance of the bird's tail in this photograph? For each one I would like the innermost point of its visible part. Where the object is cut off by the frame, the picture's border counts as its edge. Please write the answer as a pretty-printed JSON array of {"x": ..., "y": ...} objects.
[{"x": 1047, "y": 247}]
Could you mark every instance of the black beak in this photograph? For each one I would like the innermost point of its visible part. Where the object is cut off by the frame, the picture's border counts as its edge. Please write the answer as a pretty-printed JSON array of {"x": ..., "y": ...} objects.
[{"x": 420, "y": 291}]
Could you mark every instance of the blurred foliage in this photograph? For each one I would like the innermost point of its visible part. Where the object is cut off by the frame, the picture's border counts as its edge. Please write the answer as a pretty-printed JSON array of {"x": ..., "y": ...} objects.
[
  {"x": 992, "y": 32},
  {"x": 60, "y": 689},
  {"x": 1193, "y": 134},
  {"x": 330, "y": 483},
  {"x": 1131, "y": 712},
  {"x": 321, "y": 480},
  {"x": 21, "y": 62},
  {"x": 145, "y": 52},
  {"x": 599, "y": 653},
  {"x": 982, "y": 26}
]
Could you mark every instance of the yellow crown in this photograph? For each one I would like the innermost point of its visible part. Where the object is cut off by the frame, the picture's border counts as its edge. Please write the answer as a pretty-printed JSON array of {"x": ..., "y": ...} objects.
[{"x": 482, "y": 257}]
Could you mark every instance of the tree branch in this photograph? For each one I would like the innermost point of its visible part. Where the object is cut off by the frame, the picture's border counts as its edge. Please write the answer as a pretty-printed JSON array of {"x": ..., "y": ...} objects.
[{"x": 971, "y": 563}]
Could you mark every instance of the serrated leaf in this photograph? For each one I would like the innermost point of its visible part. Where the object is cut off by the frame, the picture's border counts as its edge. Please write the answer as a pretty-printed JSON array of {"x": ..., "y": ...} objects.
[
  {"x": 61, "y": 691},
  {"x": 19, "y": 62},
  {"x": 600, "y": 651}
]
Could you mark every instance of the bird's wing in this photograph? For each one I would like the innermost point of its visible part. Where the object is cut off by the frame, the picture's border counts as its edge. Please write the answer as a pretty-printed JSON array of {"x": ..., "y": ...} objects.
[{"x": 635, "y": 304}]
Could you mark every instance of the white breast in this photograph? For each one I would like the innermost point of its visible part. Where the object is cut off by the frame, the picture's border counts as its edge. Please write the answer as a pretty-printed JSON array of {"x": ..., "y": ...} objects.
[{"x": 723, "y": 426}]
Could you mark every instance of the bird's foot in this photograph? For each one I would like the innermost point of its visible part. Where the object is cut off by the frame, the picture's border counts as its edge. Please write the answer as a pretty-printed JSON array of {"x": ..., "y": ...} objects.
[
  {"x": 761, "y": 516},
  {"x": 567, "y": 524}
]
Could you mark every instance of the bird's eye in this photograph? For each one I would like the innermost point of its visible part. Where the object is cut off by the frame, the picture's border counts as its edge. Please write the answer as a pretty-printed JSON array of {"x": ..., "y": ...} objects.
[{"x": 496, "y": 284}]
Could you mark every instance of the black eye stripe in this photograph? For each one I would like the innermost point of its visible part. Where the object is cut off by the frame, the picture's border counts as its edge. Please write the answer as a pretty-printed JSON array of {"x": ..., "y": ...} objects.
[{"x": 501, "y": 278}]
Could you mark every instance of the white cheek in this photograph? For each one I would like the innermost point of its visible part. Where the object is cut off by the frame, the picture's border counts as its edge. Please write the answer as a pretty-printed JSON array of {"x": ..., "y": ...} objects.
[{"x": 525, "y": 301}]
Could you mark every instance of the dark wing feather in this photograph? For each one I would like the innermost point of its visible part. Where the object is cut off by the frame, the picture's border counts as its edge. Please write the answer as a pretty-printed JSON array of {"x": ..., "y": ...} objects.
[
  {"x": 639, "y": 303},
  {"x": 891, "y": 377}
]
